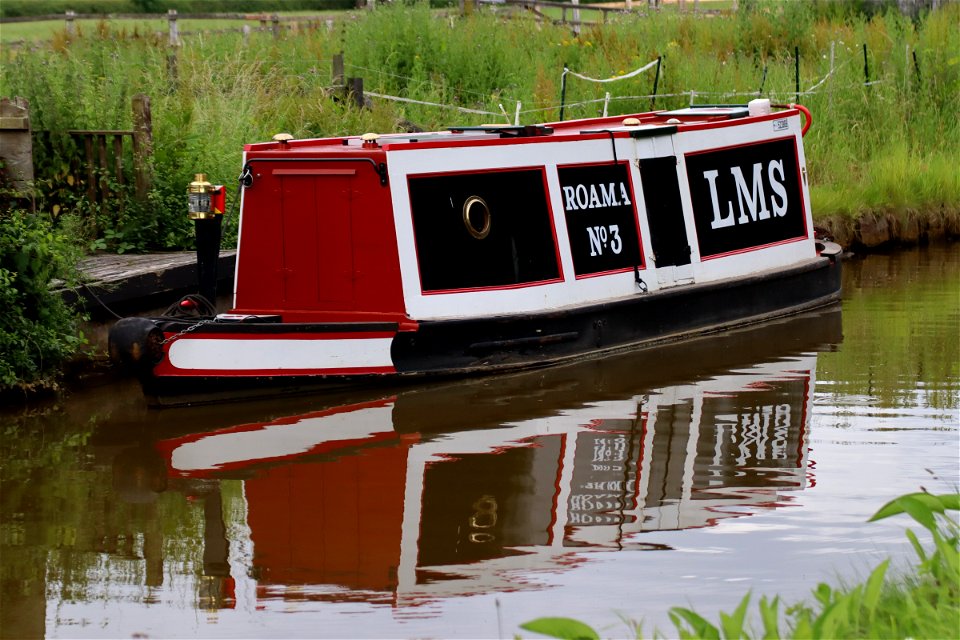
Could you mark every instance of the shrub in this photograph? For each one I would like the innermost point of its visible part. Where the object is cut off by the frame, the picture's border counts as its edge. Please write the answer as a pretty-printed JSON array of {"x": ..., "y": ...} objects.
[{"x": 38, "y": 331}]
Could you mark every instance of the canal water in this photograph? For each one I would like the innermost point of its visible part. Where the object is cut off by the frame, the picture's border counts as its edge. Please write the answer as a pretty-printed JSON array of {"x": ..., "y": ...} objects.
[{"x": 609, "y": 490}]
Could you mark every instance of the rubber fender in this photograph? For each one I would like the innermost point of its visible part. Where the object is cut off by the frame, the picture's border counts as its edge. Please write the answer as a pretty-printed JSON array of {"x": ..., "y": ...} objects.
[{"x": 135, "y": 344}]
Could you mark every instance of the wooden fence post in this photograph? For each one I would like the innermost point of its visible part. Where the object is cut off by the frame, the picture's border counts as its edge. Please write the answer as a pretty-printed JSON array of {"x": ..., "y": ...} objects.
[
  {"x": 336, "y": 74},
  {"x": 174, "y": 31},
  {"x": 71, "y": 26},
  {"x": 355, "y": 89},
  {"x": 275, "y": 19},
  {"x": 142, "y": 145},
  {"x": 16, "y": 144}
]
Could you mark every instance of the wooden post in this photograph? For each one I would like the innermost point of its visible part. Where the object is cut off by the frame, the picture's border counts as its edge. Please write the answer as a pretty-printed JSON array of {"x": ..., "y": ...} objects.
[
  {"x": 142, "y": 145},
  {"x": 576, "y": 19},
  {"x": 91, "y": 174},
  {"x": 866, "y": 66},
  {"x": 16, "y": 144},
  {"x": 275, "y": 19},
  {"x": 246, "y": 35},
  {"x": 71, "y": 26},
  {"x": 563, "y": 90},
  {"x": 656, "y": 83},
  {"x": 355, "y": 89},
  {"x": 796, "y": 75},
  {"x": 336, "y": 73},
  {"x": 174, "y": 31}
]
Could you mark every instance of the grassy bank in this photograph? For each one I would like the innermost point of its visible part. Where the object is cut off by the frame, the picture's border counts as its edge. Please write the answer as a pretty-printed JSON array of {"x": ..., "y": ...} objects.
[
  {"x": 886, "y": 149},
  {"x": 925, "y": 603}
]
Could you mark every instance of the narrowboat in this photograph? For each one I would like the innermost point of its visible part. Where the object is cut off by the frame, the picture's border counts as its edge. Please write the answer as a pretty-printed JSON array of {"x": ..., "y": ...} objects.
[{"x": 480, "y": 249}]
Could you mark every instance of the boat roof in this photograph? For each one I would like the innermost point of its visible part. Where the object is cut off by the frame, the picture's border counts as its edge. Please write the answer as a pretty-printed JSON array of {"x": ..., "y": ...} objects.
[{"x": 631, "y": 125}]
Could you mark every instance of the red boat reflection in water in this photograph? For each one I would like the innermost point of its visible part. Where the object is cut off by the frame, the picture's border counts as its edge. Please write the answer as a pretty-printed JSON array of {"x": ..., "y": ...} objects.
[{"x": 484, "y": 486}]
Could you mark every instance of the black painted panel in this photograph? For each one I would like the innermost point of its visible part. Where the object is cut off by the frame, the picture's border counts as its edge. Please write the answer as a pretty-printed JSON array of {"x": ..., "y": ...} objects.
[
  {"x": 520, "y": 247},
  {"x": 661, "y": 194},
  {"x": 601, "y": 217},
  {"x": 746, "y": 196}
]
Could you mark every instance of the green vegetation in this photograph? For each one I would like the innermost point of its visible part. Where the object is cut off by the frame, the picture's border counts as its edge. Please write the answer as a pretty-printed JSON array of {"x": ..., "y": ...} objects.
[
  {"x": 923, "y": 605},
  {"x": 37, "y": 330},
  {"x": 888, "y": 147},
  {"x": 16, "y": 8}
]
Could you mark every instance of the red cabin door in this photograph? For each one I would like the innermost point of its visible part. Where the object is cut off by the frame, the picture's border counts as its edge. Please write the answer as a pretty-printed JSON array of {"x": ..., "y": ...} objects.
[{"x": 316, "y": 214}]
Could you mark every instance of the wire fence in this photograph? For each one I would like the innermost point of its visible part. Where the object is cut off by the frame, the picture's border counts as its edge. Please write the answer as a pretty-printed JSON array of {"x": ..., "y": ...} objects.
[{"x": 821, "y": 85}]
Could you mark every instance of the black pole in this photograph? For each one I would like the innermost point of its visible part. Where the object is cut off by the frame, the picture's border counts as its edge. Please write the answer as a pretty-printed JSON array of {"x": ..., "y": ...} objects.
[
  {"x": 916, "y": 65},
  {"x": 563, "y": 90},
  {"x": 656, "y": 81},
  {"x": 796, "y": 65},
  {"x": 208, "y": 232},
  {"x": 866, "y": 66},
  {"x": 763, "y": 81}
]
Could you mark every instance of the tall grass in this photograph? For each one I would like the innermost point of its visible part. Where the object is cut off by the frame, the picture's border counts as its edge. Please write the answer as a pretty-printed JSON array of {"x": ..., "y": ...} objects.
[{"x": 890, "y": 146}]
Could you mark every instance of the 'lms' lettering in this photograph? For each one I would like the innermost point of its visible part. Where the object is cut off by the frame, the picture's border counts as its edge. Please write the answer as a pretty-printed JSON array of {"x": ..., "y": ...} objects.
[{"x": 751, "y": 198}]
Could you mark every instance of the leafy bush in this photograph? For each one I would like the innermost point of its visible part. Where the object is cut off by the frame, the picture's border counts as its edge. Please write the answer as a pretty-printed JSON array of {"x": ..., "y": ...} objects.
[{"x": 37, "y": 329}]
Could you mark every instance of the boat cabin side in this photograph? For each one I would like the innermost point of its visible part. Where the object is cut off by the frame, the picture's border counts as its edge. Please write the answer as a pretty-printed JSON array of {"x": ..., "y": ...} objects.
[{"x": 497, "y": 221}]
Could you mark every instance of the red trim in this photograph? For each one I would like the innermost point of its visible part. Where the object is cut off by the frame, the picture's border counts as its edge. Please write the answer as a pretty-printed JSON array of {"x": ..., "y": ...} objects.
[
  {"x": 598, "y": 274},
  {"x": 453, "y": 143},
  {"x": 504, "y": 287},
  {"x": 719, "y": 124},
  {"x": 166, "y": 370},
  {"x": 749, "y": 144},
  {"x": 754, "y": 248},
  {"x": 288, "y": 336},
  {"x": 557, "y": 490}
]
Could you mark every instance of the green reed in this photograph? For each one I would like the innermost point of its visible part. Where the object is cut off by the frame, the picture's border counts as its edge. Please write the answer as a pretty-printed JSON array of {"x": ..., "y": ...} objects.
[{"x": 890, "y": 146}]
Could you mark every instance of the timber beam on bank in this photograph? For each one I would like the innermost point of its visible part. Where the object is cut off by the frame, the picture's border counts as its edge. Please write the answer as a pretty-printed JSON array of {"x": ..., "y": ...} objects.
[{"x": 133, "y": 283}]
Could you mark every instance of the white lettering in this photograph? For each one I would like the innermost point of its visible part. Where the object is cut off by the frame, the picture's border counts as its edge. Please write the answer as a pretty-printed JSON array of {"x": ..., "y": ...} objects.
[
  {"x": 780, "y": 209},
  {"x": 596, "y": 244},
  {"x": 608, "y": 198},
  {"x": 717, "y": 222},
  {"x": 755, "y": 196},
  {"x": 616, "y": 244},
  {"x": 585, "y": 200},
  {"x": 594, "y": 198}
]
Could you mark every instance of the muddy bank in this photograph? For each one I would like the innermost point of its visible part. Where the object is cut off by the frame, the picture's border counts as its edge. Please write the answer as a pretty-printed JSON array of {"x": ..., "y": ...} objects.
[{"x": 883, "y": 230}]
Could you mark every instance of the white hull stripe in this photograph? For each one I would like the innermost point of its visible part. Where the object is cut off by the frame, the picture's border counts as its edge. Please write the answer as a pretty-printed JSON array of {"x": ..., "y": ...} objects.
[{"x": 263, "y": 354}]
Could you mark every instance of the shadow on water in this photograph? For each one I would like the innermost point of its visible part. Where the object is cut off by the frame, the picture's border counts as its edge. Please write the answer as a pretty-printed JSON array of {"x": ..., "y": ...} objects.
[{"x": 447, "y": 490}]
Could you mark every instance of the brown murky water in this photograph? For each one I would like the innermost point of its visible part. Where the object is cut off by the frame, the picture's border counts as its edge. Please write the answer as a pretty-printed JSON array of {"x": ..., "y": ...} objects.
[{"x": 616, "y": 487}]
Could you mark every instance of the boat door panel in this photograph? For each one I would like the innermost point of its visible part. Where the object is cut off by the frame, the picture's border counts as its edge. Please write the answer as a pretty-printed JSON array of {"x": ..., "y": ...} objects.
[
  {"x": 316, "y": 219},
  {"x": 668, "y": 232}
]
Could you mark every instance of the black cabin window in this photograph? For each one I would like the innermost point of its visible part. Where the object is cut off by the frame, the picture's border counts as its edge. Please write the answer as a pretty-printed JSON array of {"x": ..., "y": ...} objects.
[{"x": 480, "y": 230}]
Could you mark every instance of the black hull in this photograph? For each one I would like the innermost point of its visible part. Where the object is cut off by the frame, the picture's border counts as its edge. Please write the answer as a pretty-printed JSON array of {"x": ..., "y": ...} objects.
[{"x": 474, "y": 347}]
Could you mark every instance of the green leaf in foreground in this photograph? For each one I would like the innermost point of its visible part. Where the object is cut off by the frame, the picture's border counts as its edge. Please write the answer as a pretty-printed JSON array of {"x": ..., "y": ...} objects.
[
  {"x": 919, "y": 506},
  {"x": 563, "y": 628}
]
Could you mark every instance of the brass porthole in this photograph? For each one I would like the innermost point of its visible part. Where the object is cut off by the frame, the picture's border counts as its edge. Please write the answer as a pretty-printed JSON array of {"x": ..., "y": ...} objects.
[{"x": 476, "y": 217}]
